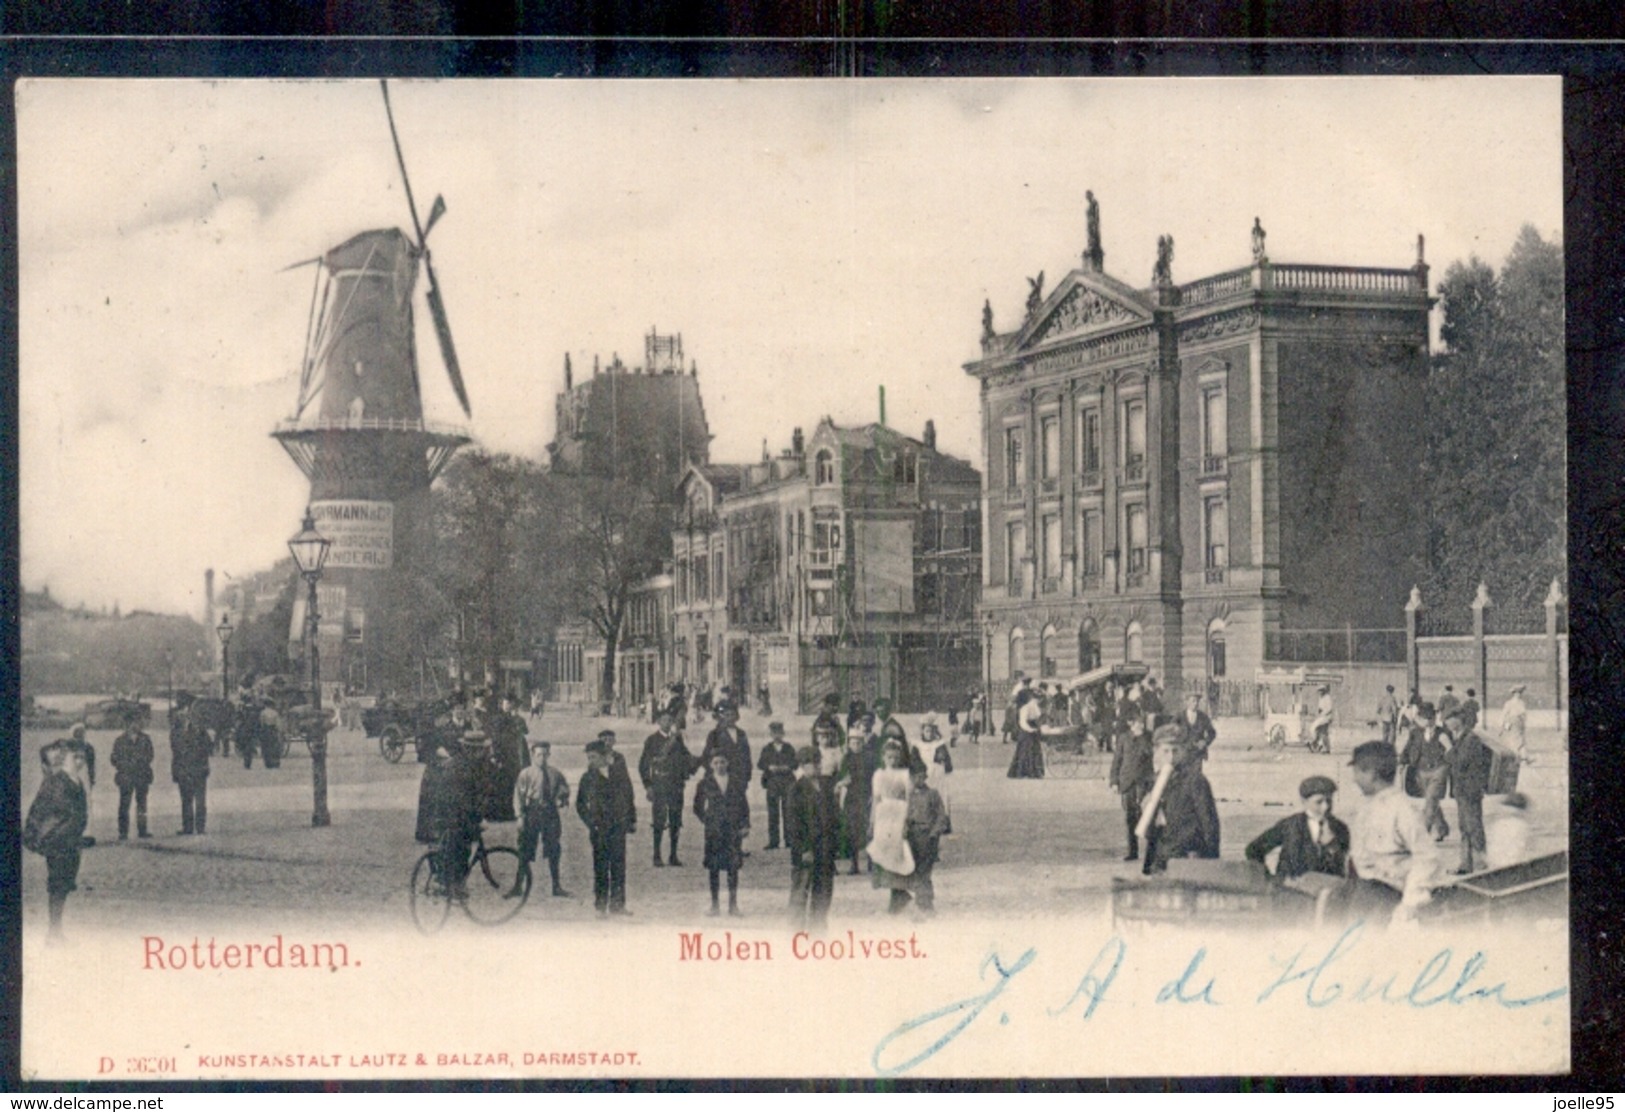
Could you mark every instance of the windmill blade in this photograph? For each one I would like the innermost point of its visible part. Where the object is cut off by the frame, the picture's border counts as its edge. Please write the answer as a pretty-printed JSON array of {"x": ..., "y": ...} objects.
[
  {"x": 442, "y": 331},
  {"x": 436, "y": 211}
]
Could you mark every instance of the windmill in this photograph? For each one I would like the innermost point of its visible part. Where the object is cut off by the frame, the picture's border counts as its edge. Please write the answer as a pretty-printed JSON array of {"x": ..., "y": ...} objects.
[{"x": 358, "y": 433}]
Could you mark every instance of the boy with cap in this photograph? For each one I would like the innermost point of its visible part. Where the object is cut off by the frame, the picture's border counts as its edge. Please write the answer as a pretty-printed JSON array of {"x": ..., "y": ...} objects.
[
  {"x": 719, "y": 804},
  {"x": 1312, "y": 841},
  {"x": 537, "y": 796},
  {"x": 926, "y": 823},
  {"x": 607, "y": 808},
  {"x": 1185, "y": 820},
  {"x": 1390, "y": 848},
  {"x": 777, "y": 764},
  {"x": 664, "y": 768},
  {"x": 727, "y": 738}
]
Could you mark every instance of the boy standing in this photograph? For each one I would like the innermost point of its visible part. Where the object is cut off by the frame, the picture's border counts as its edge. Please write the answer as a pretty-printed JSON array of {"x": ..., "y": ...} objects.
[
  {"x": 719, "y": 803},
  {"x": 606, "y": 807},
  {"x": 538, "y": 794},
  {"x": 664, "y": 767},
  {"x": 55, "y": 827},
  {"x": 1470, "y": 763},
  {"x": 927, "y": 822}
]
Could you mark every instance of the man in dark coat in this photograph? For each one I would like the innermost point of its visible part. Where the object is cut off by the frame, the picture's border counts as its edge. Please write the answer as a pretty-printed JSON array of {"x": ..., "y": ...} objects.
[
  {"x": 1469, "y": 709},
  {"x": 1470, "y": 761},
  {"x": 507, "y": 729},
  {"x": 1198, "y": 727},
  {"x": 812, "y": 831},
  {"x": 830, "y": 714},
  {"x": 1132, "y": 775},
  {"x": 726, "y": 737},
  {"x": 664, "y": 768},
  {"x": 55, "y": 827},
  {"x": 132, "y": 773},
  {"x": 1186, "y": 823},
  {"x": 607, "y": 808},
  {"x": 1312, "y": 841},
  {"x": 189, "y": 766},
  {"x": 777, "y": 764}
]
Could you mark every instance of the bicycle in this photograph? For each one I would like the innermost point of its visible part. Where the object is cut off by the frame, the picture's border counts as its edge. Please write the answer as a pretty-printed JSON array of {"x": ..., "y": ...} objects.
[{"x": 493, "y": 873}]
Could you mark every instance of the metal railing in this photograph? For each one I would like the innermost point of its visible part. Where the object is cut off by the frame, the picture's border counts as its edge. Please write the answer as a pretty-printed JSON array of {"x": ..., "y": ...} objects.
[
  {"x": 369, "y": 424},
  {"x": 1347, "y": 645}
]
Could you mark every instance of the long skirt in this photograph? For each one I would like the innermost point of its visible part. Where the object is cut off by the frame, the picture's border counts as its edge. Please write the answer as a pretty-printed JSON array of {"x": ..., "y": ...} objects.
[{"x": 1028, "y": 763}]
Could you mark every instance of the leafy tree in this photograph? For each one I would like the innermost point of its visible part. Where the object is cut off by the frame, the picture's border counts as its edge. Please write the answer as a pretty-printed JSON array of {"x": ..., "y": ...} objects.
[
  {"x": 609, "y": 537},
  {"x": 1495, "y": 427},
  {"x": 491, "y": 558}
]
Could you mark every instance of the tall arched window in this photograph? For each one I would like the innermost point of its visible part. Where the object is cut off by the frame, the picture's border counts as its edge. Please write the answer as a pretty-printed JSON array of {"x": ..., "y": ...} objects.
[
  {"x": 1017, "y": 650},
  {"x": 1133, "y": 643},
  {"x": 824, "y": 467},
  {"x": 1088, "y": 645},
  {"x": 1047, "y": 668}
]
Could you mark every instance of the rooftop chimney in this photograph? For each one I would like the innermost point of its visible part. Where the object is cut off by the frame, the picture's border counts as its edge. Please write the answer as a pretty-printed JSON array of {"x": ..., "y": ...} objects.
[
  {"x": 798, "y": 443},
  {"x": 929, "y": 438}
]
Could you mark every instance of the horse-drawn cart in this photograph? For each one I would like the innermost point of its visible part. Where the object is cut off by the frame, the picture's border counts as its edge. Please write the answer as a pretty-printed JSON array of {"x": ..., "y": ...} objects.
[{"x": 398, "y": 723}]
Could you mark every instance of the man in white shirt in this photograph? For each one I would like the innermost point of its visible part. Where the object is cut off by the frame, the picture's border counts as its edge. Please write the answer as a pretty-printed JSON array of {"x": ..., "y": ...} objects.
[
  {"x": 1515, "y": 724},
  {"x": 1391, "y": 850}
]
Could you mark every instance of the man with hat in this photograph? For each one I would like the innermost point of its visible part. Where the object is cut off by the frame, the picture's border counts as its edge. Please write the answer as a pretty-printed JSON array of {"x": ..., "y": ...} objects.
[
  {"x": 664, "y": 767},
  {"x": 189, "y": 765},
  {"x": 1133, "y": 773},
  {"x": 1428, "y": 760},
  {"x": 55, "y": 826},
  {"x": 132, "y": 773},
  {"x": 1185, "y": 820},
  {"x": 1390, "y": 849},
  {"x": 1470, "y": 709},
  {"x": 727, "y": 738},
  {"x": 609, "y": 812},
  {"x": 1198, "y": 727},
  {"x": 1470, "y": 764},
  {"x": 777, "y": 764},
  {"x": 1312, "y": 841}
]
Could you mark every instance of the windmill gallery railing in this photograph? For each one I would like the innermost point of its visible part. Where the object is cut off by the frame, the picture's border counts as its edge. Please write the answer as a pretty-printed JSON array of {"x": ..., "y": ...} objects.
[{"x": 369, "y": 424}]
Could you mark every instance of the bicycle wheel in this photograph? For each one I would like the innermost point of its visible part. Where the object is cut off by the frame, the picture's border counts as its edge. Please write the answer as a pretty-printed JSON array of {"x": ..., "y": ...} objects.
[
  {"x": 392, "y": 744},
  {"x": 496, "y": 873},
  {"x": 427, "y": 896}
]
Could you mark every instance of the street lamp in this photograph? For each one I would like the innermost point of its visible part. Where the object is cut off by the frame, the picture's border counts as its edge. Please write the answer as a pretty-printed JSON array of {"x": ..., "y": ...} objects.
[
  {"x": 224, "y": 631},
  {"x": 309, "y": 550}
]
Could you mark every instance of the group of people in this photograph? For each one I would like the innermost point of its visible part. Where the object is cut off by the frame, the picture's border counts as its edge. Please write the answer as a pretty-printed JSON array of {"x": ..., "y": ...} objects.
[
  {"x": 59, "y": 815},
  {"x": 1387, "y": 862},
  {"x": 862, "y": 793}
]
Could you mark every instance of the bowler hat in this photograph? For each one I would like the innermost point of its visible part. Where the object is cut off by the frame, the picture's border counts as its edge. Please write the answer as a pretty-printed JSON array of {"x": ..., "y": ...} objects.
[{"x": 595, "y": 747}]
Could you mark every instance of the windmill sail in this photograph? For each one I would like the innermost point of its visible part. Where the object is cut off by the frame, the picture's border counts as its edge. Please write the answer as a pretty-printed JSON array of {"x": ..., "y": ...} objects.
[{"x": 437, "y": 307}]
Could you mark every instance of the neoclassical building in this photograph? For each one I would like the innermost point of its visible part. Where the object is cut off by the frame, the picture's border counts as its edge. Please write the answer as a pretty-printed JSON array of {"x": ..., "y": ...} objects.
[{"x": 1205, "y": 476}]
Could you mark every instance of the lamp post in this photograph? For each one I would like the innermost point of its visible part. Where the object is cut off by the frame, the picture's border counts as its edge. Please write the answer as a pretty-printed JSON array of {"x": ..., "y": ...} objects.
[
  {"x": 224, "y": 631},
  {"x": 309, "y": 549},
  {"x": 989, "y": 622}
]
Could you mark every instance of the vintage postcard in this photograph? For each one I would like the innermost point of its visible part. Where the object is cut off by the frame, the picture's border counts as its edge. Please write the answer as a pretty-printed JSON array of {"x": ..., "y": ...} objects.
[{"x": 866, "y": 579}]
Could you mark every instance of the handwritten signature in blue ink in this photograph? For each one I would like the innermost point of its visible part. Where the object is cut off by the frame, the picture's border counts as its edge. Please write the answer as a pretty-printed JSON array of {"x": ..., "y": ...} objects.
[{"x": 1321, "y": 986}]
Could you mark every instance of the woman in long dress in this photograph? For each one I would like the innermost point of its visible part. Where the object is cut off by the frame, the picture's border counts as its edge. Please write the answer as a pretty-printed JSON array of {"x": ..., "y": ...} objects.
[
  {"x": 888, "y": 848},
  {"x": 1028, "y": 763}
]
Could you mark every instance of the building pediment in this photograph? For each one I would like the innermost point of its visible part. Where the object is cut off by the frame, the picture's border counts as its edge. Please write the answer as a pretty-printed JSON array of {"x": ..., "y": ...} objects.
[{"x": 1082, "y": 305}]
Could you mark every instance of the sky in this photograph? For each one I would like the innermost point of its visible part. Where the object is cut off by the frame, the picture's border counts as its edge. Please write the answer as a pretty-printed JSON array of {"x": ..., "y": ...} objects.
[{"x": 811, "y": 240}]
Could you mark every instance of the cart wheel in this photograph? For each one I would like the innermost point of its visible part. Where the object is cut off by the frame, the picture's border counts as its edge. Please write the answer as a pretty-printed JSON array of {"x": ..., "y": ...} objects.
[
  {"x": 1277, "y": 737},
  {"x": 392, "y": 744}
]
